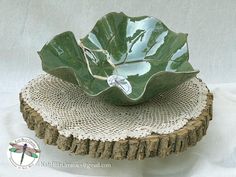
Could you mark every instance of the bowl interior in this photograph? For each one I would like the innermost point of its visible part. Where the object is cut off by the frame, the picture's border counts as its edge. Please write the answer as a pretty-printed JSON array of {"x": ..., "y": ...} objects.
[{"x": 127, "y": 51}]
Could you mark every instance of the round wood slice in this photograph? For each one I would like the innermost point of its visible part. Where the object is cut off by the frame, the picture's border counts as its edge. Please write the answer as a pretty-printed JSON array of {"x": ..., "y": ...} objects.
[{"x": 160, "y": 145}]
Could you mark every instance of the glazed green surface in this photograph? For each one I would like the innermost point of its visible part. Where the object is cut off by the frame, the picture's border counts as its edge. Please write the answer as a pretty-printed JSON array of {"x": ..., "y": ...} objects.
[{"x": 147, "y": 56}]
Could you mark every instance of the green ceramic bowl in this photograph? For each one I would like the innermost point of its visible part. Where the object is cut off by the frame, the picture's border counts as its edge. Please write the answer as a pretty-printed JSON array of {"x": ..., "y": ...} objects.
[{"x": 125, "y": 60}]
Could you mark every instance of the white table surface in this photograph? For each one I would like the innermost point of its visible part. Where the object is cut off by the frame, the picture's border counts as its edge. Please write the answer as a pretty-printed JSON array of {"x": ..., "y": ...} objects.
[{"x": 26, "y": 25}]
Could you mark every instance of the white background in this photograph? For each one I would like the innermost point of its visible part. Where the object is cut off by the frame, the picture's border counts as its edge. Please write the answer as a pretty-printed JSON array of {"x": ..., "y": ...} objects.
[{"x": 26, "y": 25}]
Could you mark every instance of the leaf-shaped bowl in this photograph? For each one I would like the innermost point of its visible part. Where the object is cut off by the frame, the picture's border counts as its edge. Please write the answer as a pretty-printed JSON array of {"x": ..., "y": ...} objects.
[{"x": 125, "y": 60}]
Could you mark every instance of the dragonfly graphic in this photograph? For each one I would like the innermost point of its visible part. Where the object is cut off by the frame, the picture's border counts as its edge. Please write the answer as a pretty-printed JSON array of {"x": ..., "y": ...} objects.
[{"x": 24, "y": 149}]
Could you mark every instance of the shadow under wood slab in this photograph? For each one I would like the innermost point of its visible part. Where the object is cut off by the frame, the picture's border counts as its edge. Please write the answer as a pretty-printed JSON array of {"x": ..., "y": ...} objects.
[{"x": 153, "y": 145}]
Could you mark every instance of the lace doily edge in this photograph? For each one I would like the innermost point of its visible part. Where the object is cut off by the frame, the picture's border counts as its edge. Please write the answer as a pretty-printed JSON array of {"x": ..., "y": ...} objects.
[{"x": 160, "y": 145}]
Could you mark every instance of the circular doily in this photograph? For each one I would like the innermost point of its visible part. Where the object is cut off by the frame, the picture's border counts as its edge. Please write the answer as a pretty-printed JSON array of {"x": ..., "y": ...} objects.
[{"x": 74, "y": 116}]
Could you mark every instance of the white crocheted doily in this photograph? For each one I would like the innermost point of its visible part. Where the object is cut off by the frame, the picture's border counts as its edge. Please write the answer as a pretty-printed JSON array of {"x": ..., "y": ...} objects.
[{"x": 64, "y": 105}]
